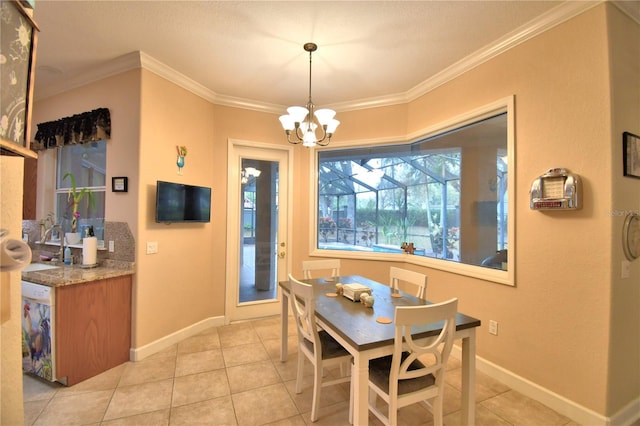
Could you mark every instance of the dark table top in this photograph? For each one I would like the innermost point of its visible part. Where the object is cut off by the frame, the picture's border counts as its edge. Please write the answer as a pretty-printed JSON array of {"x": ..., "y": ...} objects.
[{"x": 357, "y": 324}]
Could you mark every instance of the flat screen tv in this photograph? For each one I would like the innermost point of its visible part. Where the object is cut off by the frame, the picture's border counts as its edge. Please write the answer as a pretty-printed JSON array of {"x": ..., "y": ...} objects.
[{"x": 177, "y": 202}]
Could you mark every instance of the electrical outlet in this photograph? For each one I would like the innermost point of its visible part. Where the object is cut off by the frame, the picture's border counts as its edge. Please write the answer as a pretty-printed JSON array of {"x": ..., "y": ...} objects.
[
  {"x": 493, "y": 327},
  {"x": 625, "y": 271},
  {"x": 152, "y": 247},
  {"x": 112, "y": 246}
]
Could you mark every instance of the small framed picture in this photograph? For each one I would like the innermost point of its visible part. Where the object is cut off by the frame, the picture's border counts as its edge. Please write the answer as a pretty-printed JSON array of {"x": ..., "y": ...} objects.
[
  {"x": 119, "y": 184},
  {"x": 631, "y": 154}
]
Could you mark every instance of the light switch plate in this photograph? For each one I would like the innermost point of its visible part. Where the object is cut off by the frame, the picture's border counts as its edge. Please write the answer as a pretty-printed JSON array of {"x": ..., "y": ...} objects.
[
  {"x": 111, "y": 246},
  {"x": 152, "y": 247},
  {"x": 493, "y": 327}
]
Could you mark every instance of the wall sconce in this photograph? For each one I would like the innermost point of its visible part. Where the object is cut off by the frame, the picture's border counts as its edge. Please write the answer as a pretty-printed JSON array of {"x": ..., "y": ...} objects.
[{"x": 249, "y": 172}]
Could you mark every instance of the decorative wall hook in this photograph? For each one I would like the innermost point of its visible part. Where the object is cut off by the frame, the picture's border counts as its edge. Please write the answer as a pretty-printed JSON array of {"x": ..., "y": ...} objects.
[{"x": 182, "y": 152}]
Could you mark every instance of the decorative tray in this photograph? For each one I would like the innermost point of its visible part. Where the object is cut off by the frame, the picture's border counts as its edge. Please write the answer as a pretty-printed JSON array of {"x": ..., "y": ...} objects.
[{"x": 353, "y": 291}]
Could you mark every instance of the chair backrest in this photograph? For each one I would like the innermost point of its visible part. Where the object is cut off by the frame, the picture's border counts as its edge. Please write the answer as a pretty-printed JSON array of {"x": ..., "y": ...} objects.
[
  {"x": 303, "y": 307},
  {"x": 332, "y": 266},
  {"x": 434, "y": 353},
  {"x": 416, "y": 278}
]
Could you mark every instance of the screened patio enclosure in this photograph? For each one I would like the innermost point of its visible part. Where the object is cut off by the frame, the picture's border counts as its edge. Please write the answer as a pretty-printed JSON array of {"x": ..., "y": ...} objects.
[{"x": 376, "y": 198}]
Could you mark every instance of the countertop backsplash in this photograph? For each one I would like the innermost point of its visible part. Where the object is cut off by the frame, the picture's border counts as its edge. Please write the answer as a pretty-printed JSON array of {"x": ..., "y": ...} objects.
[{"x": 118, "y": 232}]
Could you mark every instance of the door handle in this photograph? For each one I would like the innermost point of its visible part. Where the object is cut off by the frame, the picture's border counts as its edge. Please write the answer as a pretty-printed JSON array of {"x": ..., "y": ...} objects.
[{"x": 282, "y": 254}]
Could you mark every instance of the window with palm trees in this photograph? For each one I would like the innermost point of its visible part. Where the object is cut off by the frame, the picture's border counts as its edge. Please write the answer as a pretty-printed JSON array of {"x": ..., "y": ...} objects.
[{"x": 447, "y": 194}]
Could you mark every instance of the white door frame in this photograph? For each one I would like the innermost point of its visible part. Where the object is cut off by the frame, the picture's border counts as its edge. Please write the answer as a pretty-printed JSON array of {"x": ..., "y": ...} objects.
[{"x": 236, "y": 151}]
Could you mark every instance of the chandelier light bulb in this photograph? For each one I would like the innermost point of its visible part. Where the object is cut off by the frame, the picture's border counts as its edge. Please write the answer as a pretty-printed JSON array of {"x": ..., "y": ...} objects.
[
  {"x": 324, "y": 115},
  {"x": 332, "y": 126},
  {"x": 287, "y": 122},
  {"x": 309, "y": 139},
  {"x": 298, "y": 113}
]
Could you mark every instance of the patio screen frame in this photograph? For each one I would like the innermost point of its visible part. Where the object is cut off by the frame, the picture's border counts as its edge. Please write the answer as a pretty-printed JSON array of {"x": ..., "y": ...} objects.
[{"x": 504, "y": 275}]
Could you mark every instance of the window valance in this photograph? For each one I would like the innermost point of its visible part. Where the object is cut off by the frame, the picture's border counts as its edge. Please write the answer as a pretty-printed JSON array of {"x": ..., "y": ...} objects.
[{"x": 87, "y": 127}]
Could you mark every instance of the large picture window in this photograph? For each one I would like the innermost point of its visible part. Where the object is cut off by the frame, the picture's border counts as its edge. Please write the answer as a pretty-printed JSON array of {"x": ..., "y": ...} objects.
[
  {"x": 446, "y": 193},
  {"x": 88, "y": 163}
]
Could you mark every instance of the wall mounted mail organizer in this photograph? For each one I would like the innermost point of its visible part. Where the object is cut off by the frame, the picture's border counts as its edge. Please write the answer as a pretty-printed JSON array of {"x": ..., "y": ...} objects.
[{"x": 557, "y": 189}]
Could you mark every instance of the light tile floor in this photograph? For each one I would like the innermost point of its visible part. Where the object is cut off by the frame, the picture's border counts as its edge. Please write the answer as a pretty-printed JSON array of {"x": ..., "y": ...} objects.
[{"x": 232, "y": 375}]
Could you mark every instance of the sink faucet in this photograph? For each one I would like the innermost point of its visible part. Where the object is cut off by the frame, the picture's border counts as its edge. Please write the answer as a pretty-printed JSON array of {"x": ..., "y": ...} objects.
[{"x": 48, "y": 233}]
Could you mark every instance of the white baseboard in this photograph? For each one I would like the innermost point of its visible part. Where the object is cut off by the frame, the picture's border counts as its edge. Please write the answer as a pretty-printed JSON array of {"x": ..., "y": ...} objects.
[
  {"x": 559, "y": 403},
  {"x": 629, "y": 414},
  {"x": 138, "y": 354}
]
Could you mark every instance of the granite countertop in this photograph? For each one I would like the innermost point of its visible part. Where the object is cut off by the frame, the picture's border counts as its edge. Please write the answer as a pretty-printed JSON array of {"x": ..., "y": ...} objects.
[{"x": 75, "y": 274}]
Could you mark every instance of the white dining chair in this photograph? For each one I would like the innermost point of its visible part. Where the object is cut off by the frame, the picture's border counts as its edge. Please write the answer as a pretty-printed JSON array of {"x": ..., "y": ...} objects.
[
  {"x": 402, "y": 379},
  {"x": 322, "y": 350},
  {"x": 331, "y": 266},
  {"x": 416, "y": 279}
]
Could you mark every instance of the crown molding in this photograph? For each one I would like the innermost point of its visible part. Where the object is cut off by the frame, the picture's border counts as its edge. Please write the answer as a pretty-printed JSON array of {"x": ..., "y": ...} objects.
[
  {"x": 151, "y": 64},
  {"x": 630, "y": 8},
  {"x": 545, "y": 22},
  {"x": 552, "y": 18},
  {"x": 116, "y": 66}
]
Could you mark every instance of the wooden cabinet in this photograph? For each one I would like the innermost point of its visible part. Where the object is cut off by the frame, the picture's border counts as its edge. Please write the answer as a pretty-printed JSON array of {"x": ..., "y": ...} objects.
[
  {"x": 93, "y": 328},
  {"x": 30, "y": 185}
]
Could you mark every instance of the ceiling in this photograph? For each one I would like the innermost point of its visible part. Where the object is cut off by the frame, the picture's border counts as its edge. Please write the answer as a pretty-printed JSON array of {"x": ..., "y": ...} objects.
[{"x": 369, "y": 53}]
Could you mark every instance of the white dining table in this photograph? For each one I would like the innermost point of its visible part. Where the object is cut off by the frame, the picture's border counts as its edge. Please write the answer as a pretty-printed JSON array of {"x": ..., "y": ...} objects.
[{"x": 357, "y": 329}]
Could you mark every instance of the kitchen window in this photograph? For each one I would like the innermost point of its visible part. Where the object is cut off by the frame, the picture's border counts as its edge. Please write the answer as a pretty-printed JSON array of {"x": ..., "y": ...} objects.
[
  {"x": 447, "y": 193},
  {"x": 88, "y": 163}
]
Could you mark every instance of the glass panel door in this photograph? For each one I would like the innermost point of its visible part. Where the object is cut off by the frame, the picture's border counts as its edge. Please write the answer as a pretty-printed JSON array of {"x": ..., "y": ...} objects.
[
  {"x": 259, "y": 230},
  {"x": 256, "y": 229}
]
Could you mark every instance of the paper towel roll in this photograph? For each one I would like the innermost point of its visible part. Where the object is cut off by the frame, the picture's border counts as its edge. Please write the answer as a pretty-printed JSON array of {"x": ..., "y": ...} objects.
[
  {"x": 14, "y": 254},
  {"x": 89, "y": 251}
]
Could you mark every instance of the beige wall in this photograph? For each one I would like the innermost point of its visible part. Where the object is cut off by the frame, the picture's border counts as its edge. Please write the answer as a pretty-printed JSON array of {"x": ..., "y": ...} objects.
[
  {"x": 560, "y": 82},
  {"x": 184, "y": 282},
  {"x": 560, "y": 326}
]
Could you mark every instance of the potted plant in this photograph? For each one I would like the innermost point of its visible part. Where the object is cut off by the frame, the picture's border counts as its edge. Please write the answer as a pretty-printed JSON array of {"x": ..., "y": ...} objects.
[{"x": 75, "y": 196}]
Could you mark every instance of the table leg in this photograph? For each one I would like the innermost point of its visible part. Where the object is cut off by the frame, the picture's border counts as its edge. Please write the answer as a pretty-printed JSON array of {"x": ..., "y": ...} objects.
[
  {"x": 469, "y": 378},
  {"x": 284, "y": 324},
  {"x": 360, "y": 390}
]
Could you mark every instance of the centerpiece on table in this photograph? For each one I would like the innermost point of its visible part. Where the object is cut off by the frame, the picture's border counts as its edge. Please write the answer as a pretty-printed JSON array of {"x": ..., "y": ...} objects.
[{"x": 75, "y": 196}]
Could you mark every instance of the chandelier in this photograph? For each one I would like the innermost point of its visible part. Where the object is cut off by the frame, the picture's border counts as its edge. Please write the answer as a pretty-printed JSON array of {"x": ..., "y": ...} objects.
[
  {"x": 249, "y": 172},
  {"x": 299, "y": 123}
]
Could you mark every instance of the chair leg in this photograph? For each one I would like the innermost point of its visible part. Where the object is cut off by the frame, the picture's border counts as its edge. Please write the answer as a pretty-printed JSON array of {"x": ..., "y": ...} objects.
[
  {"x": 437, "y": 410},
  {"x": 317, "y": 385},
  {"x": 393, "y": 412},
  {"x": 300, "y": 371}
]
